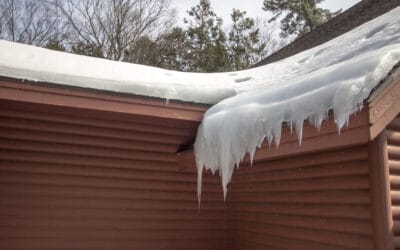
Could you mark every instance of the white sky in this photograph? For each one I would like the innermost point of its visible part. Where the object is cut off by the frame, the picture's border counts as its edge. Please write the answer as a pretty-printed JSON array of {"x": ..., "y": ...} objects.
[{"x": 223, "y": 8}]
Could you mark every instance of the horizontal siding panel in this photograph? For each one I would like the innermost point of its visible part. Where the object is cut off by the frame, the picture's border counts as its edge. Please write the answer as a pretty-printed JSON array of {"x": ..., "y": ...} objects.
[
  {"x": 266, "y": 241},
  {"x": 310, "y": 160},
  {"x": 31, "y": 125},
  {"x": 394, "y": 166},
  {"x": 72, "y": 243},
  {"x": 96, "y": 177},
  {"x": 327, "y": 183},
  {"x": 316, "y": 197},
  {"x": 89, "y": 234},
  {"x": 83, "y": 160},
  {"x": 361, "y": 227},
  {"x": 394, "y": 152},
  {"x": 241, "y": 245},
  {"x": 99, "y": 151},
  {"x": 92, "y": 203},
  {"x": 317, "y": 210},
  {"x": 393, "y": 137},
  {"x": 318, "y": 236},
  {"x": 101, "y": 123},
  {"x": 83, "y": 140},
  {"x": 22, "y": 224},
  {"x": 396, "y": 212},
  {"x": 320, "y": 201},
  {"x": 345, "y": 169},
  {"x": 117, "y": 214},
  {"x": 394, "y": 182},
  {"x": 103, "y": 192},
  {"x": 395, "y": 197}
]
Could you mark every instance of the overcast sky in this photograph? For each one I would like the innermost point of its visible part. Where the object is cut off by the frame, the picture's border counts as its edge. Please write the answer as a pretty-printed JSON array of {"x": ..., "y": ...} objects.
[{"x": 223, "y": 8}]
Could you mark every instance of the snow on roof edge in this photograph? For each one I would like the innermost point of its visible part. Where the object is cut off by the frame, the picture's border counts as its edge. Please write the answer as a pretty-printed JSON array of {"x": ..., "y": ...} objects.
[
  {"x": 387, "y": 80},
  {"x": 342, "y": 74},
  {"x": 35, "y": 64}
]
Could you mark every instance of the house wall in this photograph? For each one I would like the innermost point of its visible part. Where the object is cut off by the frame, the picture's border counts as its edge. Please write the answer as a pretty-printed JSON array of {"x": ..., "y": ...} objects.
[
  {"x": 318, "y": 200},
  {"x": 76, "y": 179},
  {"x": 83, "y": 179},
  {"x": 393, "y": 150}
]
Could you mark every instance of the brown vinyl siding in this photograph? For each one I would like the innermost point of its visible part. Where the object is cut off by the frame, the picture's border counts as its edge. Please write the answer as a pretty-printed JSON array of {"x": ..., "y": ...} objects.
[
  {"x": 393, "y": 148},
  {"x": 75, "y": 181},
  {"x": 85, "y": 170},
  {"x": 313, "y": 201}
]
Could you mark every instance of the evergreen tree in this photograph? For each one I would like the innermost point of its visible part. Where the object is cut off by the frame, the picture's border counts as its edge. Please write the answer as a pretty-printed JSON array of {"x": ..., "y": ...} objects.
[
  {"x": 301, "y": 16},
  {"x": 174, "y": 47},
  {"x": 244, "y": 45},
  {"x": 55, "y": 44},
  {"x": 168, "y": 51},
  {"x": 87, "y": 49},
  {"x": 144, "y": 51},
  {"x": 207, "y": 39}
]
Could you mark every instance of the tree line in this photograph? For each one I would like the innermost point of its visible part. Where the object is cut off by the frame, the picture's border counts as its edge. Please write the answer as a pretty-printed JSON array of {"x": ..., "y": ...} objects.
[{"x": 145, "y": 31}]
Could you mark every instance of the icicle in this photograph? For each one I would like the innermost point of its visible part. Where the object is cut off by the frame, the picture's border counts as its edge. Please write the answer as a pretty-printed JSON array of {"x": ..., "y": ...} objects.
[
  {"x": 299, "y": 130},
  {"x": 225, "y": 180},
  {"x": 199, "y": 182},
  {"x": 260, "y": 142},
  {"x": 291, "y": 126},
  {"x": 317, "y": 120},
  {"x": 225, "y": 189},
  {"x": 252, "y": 152},
  {"x": 269, "y": 138},
  {"x": 341, "y": 121},
  {"x": 276, "y": 131}
]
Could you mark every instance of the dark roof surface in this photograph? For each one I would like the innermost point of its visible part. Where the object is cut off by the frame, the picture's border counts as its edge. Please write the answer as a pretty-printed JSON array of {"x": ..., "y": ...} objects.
[{"x": 355, "y": 16}]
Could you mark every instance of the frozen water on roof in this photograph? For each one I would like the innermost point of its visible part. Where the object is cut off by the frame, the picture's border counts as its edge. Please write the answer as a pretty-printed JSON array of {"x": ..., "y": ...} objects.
[{"x": 338, "y": 75}]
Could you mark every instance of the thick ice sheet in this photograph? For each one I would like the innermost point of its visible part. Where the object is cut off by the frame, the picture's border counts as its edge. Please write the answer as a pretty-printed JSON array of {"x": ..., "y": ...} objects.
[{"x": 338, "y": 76}]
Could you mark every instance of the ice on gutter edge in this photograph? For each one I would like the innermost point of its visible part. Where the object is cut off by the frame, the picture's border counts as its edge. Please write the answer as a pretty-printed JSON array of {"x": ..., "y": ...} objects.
[{"x": 239, "y": 125}]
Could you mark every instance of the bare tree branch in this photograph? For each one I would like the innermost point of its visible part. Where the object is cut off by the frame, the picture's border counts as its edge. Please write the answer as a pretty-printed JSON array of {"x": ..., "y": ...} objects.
[
  {"x": 27, "y": 21},
  {"x": 113, "y": 25}
]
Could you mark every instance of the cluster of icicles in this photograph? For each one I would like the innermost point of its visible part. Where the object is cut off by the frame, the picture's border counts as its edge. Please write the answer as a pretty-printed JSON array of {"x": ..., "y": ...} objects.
[{"x": 231, "y": 153}]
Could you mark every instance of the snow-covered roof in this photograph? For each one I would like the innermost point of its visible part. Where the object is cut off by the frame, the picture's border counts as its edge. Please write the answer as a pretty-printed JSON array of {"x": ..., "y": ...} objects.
[{"x": 338, "y": 75}]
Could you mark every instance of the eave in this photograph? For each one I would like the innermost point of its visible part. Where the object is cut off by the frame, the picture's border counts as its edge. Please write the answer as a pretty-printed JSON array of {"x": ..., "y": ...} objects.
[
  {"x": 49, "y": 94},
  {"x": 382, "y": 107}
]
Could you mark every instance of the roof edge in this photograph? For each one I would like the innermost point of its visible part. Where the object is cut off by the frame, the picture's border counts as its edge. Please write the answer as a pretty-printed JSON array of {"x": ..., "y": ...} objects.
[
  {"x": 328, "y": 137},
  {"x": 384, "y": 103},
  {"x": 39, "y": 93}
]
